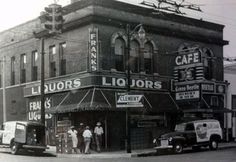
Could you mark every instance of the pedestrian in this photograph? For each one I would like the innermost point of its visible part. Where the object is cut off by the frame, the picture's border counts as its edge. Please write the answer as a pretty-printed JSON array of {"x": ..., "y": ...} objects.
[
  {"x": 87, "y": 134},
  {"x": 73, "y": 133},
  {"x": 98, "y": 132},
  {"x": 81, "y": 138}
]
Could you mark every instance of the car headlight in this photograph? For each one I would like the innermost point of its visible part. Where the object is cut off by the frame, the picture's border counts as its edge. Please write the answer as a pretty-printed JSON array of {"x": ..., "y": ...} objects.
[
  {"x": 170, "y": 139},
  {"x": 154, "y": 140}
]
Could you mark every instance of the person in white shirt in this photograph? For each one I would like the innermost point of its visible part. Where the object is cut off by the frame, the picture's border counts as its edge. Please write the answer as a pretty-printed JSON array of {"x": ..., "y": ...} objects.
[
  {"x": 98, "y": 131},
  {"x": 87, "y": 134},
  {"x": 73, "y": 133}
]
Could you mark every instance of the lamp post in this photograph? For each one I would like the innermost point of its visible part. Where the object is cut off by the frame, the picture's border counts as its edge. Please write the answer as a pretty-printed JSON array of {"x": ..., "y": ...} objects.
[{"x": 141, "y": 35}]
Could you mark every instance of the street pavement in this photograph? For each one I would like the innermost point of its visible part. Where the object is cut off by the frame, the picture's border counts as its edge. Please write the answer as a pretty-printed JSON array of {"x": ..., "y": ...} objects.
[{"x": 123, "y": 154}]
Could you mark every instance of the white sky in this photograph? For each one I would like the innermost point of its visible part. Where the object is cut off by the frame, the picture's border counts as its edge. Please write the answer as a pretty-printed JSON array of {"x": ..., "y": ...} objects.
[{"x": 15, "y": 12}]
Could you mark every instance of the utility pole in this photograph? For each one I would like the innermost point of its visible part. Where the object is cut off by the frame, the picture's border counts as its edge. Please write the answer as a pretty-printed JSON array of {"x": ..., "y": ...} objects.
[
  {"x": 4, "y": 110},
  {"x": 42, "y": 82},
  {"x": 128, "y": 131}
]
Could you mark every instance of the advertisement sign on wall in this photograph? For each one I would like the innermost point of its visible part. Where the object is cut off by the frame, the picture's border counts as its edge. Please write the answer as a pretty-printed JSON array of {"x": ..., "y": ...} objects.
[
  {"x": 34, "y": 108},
  {"x": 128, "y": 100},
  {"x": 187, "y": 92}
]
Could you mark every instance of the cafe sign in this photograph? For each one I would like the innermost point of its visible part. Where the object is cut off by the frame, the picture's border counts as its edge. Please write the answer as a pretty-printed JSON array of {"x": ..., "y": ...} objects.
[{"x": 187, "y": 59}]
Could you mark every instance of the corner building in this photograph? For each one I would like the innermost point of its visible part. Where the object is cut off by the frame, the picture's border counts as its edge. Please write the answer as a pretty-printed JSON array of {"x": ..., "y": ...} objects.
[{"x": 86, "y": 72}]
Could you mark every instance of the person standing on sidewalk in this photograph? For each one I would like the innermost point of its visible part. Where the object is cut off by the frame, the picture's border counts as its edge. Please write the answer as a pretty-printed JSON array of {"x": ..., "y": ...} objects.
[
  {"x": 81, "y": 138},
  {"x": 98, "y": 132},
  {"x": 87, "y": 134},
  {"x": 73, "y": 133}
]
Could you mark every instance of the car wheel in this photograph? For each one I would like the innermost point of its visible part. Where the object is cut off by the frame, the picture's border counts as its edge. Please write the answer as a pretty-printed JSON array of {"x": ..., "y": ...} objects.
[
  {"x": 14, "y": 148},
  {"x": 178, "y": 148},
  {"x": 213, "y": 144}
]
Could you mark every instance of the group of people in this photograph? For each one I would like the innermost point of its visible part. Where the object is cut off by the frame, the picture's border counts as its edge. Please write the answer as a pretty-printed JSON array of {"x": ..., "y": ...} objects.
[{"x": 82, "y": 137}]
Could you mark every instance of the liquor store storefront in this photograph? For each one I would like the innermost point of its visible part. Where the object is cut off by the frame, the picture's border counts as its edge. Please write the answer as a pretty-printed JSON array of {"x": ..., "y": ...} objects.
[{"x": 89, "y": 99}]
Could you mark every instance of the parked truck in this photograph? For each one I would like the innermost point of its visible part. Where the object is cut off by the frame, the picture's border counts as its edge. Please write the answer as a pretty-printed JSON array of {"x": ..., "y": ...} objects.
[{"x": 23, "y": 135}]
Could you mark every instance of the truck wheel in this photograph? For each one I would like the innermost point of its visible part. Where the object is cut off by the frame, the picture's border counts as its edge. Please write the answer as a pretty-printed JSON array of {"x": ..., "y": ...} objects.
[
  {"x": 213, "y": 144},
  {"x": 14, "y": 148},
  {"x": 178, "y": 148}
]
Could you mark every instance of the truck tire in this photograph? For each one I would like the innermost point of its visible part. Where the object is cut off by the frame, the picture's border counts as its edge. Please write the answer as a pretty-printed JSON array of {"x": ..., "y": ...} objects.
[
  {"x": 213, "y": 144},
  {"x": 14, "y": 148},
  {"x": 178, "y": 148}
]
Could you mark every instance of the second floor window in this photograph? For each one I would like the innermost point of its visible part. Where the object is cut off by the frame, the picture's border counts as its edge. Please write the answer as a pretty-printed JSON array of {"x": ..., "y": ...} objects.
[
  {"x": 23, "y": 68},
  {"x": 13, "y": 65},
  {"x": 148, "y": 53},
  {"x": 119, "y": 54},
  {"x": 52, "y": 61},
  {"x": 134, "y": 57},
  {"x": 208, "y": 63},
  {"x": 62, "y": 63},
  {"x": 35, "y": 64}
]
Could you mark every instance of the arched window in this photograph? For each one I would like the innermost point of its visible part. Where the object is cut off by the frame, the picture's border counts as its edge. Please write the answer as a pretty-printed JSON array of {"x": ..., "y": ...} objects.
[
  {"x": 134, "y": 57},
  {"x": 148, "y": 53},
  {"x": 119, "y": 54},
  {"x": 208, "y": 63}
]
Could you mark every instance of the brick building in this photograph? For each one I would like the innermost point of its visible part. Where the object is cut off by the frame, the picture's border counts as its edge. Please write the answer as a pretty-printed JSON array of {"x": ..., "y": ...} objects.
[{"x": 85, "y": 70}]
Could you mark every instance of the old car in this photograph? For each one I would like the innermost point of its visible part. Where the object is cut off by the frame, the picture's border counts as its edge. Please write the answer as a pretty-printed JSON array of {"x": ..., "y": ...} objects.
[
  {"x": 193, "y": 134},
  {"x": 23, "y": 135}
]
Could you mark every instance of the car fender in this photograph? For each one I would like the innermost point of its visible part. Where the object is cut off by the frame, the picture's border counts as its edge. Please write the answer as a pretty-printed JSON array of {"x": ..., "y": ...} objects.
[{"x": 180, "y": 139}]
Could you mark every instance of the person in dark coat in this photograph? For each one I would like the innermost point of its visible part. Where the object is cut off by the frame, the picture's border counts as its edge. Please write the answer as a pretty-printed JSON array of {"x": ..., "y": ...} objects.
[{"x": 81, "y": 145}]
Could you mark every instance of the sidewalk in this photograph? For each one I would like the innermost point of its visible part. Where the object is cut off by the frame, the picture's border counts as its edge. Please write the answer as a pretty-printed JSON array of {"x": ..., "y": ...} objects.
[{"x": 122, "y": 153}]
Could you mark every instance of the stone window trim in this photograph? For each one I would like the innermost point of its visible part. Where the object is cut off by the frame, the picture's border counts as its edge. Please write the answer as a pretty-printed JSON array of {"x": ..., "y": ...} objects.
[{"x": 122, "y": 35}]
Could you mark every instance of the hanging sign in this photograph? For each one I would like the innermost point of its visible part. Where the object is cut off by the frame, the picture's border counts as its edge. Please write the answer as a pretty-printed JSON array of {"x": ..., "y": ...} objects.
[{"x": 128, "y": 100}]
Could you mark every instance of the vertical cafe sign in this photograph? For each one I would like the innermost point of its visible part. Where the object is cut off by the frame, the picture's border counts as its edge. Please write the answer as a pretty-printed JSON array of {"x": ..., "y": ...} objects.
[{"x": 93, "y": 49}]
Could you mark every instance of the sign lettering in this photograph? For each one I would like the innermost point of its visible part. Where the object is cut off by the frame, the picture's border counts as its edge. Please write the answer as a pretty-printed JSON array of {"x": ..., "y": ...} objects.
[
  {"x": 35, "y": 107},
  {"x": 187, "y": 59},
  {"x": 93, "y": 48}
]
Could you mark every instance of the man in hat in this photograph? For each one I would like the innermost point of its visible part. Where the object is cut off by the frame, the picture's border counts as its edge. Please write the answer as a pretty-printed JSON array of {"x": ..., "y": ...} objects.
[
  {"x": 73, "y": 133},
  {"x": 87, "y": 134},
  {"x": 80, "y": 137},
  {"x": 98, "y": 132}
]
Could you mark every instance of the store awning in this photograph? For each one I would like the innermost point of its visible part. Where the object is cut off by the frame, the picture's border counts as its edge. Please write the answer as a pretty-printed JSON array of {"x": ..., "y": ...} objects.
[
  {"x": 97, "y": 99},
  {"x": 162, "y": 102},
  {"x": 208, "y": 110},
  {"x": 82, "y": 100}
]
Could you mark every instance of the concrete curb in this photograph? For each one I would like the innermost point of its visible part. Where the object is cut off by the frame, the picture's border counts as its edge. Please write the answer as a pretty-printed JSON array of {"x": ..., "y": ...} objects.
[{"x": 139, "y": 153}]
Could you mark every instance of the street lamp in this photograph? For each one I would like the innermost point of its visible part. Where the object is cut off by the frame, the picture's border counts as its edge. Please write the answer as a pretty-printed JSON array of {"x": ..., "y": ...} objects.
[{"x": 141, "y": 35}]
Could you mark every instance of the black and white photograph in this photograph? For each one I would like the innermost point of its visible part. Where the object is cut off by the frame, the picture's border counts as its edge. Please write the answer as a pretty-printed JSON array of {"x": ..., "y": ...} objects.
[{"x": 117, "y": 81}]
